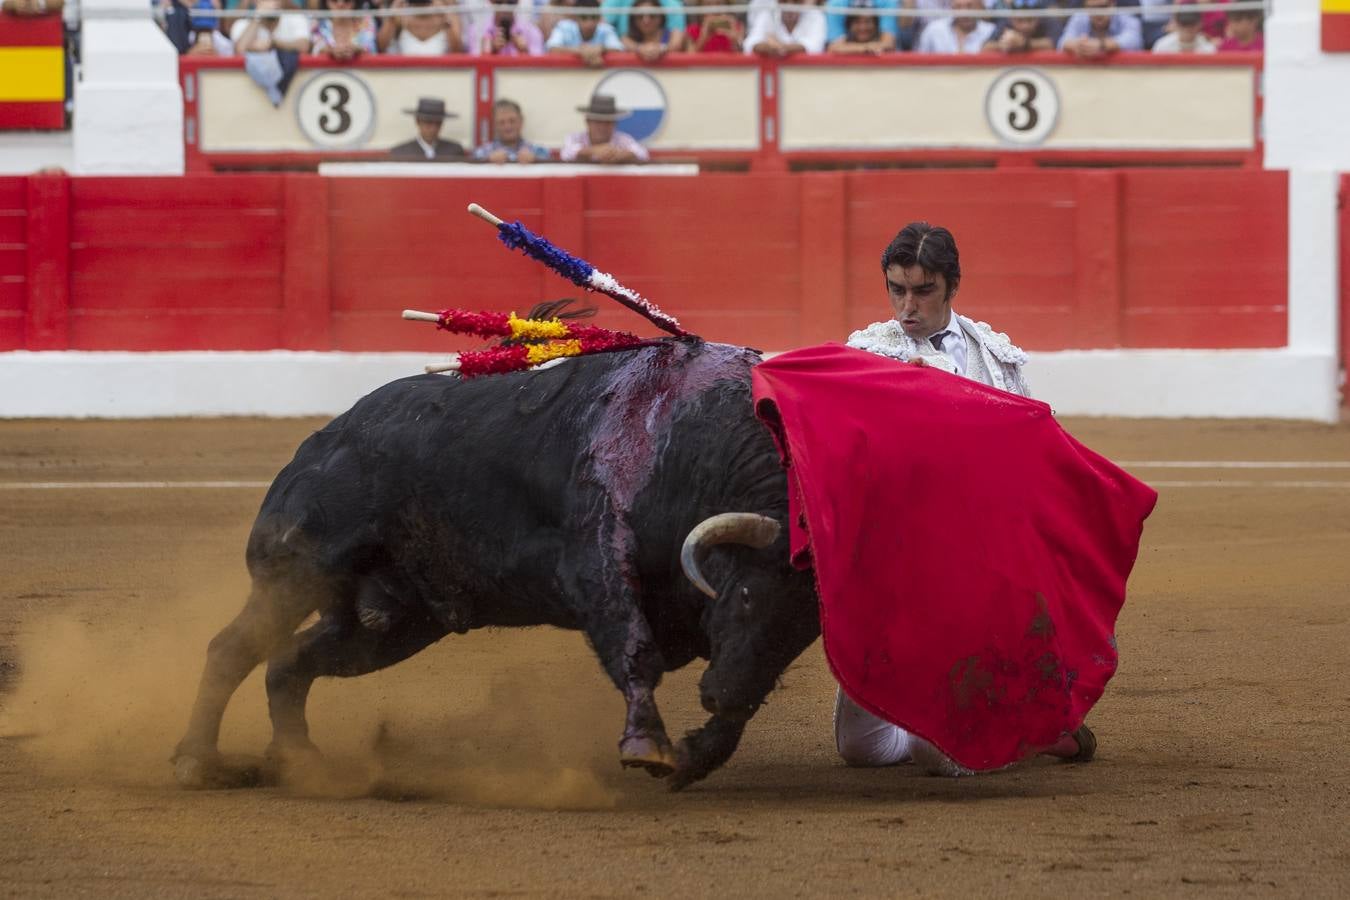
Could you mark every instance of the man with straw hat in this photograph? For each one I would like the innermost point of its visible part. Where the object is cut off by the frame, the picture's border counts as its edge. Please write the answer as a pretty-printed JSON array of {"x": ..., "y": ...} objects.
[
  {"x": 428, "y": 146},
  {"x": 602, "y": 142}
]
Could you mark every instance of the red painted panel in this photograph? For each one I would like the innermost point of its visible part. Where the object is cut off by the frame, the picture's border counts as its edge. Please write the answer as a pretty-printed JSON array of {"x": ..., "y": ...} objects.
[
  {"x": 156, "y": 295},
  {"x": 210, "y": 268},
  {"x": 399, "y": 244},
  {"x": 175, "y": 225},
  {"x": 45, "y": 114},
  {"x": 197, "y": 330},
  {"x": 13, "y": 294},
  {"x": 13, "y": 227},
  {"x": 11, "y": 327},
  {"x": 721, "y": 244},
  {"x": 1057, "y": 258},
  {"x": 233, "y": 192},
  {"x": 1205, "y": 259},
  {"x": 1015, "y": 232},
  {"x": 13, "y": 193},
  {"x": 13, "y": 260},
  {"x": 37, "y": 31}
]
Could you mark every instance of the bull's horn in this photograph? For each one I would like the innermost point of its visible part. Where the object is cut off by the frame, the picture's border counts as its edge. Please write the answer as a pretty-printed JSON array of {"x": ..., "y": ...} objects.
[{"x": 750, "y": 529}]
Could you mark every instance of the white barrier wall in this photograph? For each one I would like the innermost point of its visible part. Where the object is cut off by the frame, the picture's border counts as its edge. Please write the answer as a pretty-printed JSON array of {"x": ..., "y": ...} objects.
[
  {"x": 128, "y": 106},
  {"x": 1276, "y": 384},
  {"x": 1307, "y": 131}
]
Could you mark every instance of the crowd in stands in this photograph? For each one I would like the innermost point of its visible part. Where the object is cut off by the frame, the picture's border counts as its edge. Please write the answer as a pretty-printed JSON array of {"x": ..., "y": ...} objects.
[{"x": 593, "y": 28}]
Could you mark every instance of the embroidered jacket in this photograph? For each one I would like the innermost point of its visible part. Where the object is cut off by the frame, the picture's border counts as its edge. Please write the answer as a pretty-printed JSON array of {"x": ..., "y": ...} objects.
[{"x": 991, "y": 357}]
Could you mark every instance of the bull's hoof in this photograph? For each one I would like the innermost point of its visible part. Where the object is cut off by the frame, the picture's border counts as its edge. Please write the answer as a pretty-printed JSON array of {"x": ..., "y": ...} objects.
[
  {"x": 641, "y": 751},
  {"x": 212, "y": 772}
]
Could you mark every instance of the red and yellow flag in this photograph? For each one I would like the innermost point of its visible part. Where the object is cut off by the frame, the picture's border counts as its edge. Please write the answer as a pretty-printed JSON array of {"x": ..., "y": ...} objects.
[
  {"x": 32, "y": 72},
  {"x": 1336, "y": 26}
]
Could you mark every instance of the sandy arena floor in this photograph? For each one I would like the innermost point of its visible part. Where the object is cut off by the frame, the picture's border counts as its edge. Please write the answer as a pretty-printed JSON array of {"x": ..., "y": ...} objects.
[{"x": 487, "y": 766}]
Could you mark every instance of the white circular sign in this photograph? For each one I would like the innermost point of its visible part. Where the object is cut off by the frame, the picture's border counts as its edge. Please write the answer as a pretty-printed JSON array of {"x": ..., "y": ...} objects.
[
  {"x": 336, "y": 109},
  {"x": 1022, "y": 107}
]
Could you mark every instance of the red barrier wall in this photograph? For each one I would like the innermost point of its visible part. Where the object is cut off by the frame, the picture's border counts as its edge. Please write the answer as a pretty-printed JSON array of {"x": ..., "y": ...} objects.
[{"x": 1059, "y": 259}]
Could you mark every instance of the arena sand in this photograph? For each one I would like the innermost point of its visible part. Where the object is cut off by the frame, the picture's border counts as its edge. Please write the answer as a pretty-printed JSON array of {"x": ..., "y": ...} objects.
[{"x": 487, "y": 764}]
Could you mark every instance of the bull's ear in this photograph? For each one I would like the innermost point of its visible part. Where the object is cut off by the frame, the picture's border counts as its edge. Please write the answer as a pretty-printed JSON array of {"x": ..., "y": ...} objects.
[{"x": 749, "y": 529}]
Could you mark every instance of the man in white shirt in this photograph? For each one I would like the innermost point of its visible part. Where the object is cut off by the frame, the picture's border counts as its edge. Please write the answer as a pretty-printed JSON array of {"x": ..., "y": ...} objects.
[
  {"x": 783, "y": 33},
  {"x": 923, "y": 274},
  {"x": 962, "y": 33},
  {"x": 284, "y": 31}
]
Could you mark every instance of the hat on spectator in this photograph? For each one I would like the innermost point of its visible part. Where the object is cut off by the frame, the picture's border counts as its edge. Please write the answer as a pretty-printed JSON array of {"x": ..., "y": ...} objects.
[
  {"x": 431, "y": 108},
  {"x": 603, "y": 108}
]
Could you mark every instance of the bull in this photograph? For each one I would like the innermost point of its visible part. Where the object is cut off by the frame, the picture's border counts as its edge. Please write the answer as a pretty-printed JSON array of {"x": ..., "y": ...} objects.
[{"x": 607, "y": 494}]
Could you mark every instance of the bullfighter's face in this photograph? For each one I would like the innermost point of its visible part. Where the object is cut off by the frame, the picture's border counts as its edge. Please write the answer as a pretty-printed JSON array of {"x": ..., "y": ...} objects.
[{"x": 921, "y": 300}]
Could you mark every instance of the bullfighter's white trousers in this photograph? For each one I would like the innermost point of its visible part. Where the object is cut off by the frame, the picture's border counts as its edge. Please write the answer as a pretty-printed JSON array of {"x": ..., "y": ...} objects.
[{"x": 863, "y": 739}]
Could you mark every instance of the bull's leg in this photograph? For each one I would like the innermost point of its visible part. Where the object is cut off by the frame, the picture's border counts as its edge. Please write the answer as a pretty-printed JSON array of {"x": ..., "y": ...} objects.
[
  {"x": 701, "y": 752},
  {"x": 335, "y": 646},
  {"x": 270, "y": 616},
  {"x": 630, "y": 656}
]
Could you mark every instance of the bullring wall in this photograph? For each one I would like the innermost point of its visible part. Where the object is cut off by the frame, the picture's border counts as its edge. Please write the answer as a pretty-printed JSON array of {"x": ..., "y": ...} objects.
[{"x": 1111, "y": 275}]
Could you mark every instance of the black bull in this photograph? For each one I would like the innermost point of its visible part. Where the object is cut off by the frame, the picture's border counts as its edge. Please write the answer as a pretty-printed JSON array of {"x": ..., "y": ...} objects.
[{"x": 579, "y": 495}]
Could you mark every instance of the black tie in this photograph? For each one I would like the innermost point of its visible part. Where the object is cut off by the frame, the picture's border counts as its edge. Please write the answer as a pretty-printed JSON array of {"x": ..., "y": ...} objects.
[{"x": 936, "y": 340}]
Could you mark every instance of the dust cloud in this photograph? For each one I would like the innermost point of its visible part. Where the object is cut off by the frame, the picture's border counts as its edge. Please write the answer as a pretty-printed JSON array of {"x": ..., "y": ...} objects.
[{"x": 512, "y": 718}]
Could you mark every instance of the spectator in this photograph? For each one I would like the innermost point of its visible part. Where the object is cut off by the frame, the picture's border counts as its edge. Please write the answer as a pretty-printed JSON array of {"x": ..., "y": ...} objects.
[
  {"x": 1186, "y": 37},
  {"x": 716, "y": 32},
  {"x": 622, "y": 22},
  {"x": 507, "y": 34},
  {"x": 287, "y": 30},
  {"x": 32, "y": 8},
  {"x": 836, "y": 23},
  {"x": 194, "y": 35},
  {"x": 345, "y": 38},
  {"x": 508, "y": 142},
  {"x": 419, "y": 34},
  {"x": 959, "y": 33},
  {"x": 1153, "y": 24},
  {"x": 1244, "y": 31},
  {"x": 428, "y": 146},
  {"x": 546, "y": 20},
  {"x": 1021, "y": 34},
  {"x": 1089, "y": 35},
  {"x": 584, "y": 35},
  {"x": 602, "y": 142},
  {"x": 862, "y": 34},
  {"x": 649, "y": 34},
  {"x": 775, "y": 32}
]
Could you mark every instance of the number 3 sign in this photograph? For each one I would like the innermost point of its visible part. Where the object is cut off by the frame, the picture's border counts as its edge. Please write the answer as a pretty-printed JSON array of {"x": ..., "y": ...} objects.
[
  {"x": 1022, "y": 107},
  {"x": 336, "y": 110}
]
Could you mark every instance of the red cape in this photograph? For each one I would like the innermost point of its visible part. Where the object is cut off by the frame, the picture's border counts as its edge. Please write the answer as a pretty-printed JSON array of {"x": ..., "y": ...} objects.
[{"x": 971, "y": 556}]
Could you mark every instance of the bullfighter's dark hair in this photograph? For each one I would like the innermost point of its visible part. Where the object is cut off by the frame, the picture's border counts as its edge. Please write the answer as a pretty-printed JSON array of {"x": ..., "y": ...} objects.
[{"x": 931, "y": 247}]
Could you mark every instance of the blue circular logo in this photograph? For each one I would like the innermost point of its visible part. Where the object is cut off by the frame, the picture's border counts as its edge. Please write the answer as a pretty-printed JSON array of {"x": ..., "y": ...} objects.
[{"x": 641, "y": 94}]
